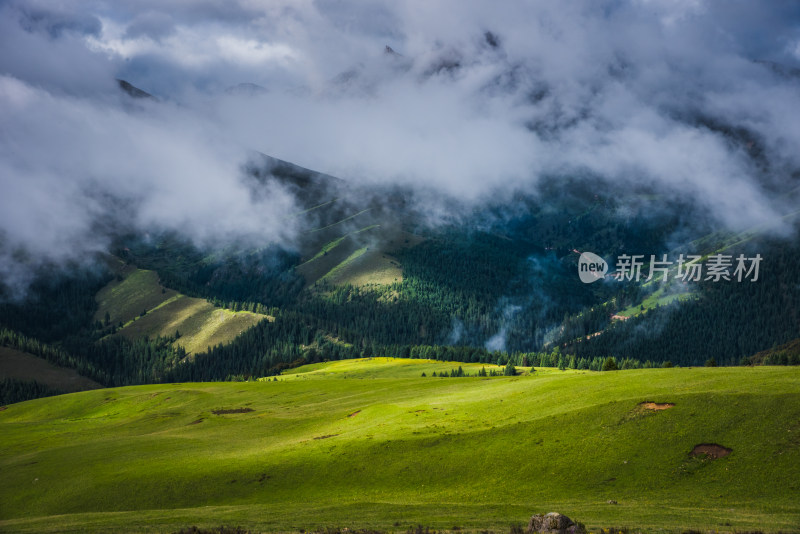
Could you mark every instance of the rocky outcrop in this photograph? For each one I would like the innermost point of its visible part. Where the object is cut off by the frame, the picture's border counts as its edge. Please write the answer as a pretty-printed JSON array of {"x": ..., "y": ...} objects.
[{"x": 554, "y": 523}]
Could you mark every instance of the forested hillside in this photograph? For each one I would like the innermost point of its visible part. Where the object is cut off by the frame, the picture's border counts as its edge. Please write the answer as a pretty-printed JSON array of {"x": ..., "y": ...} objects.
[{"x": 496, "y": 286}]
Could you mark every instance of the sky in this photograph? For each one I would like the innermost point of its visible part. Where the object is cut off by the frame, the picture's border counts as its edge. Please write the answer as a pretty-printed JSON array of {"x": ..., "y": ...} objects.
[{"x": 458, "y": 100}]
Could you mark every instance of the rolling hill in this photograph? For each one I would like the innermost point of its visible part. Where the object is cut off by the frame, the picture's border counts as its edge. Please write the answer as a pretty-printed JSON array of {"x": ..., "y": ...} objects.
[
  {"x": 138, "y": 302},
  {"x": 386, "y": 452},
  {"x": 195, "y": 334}
]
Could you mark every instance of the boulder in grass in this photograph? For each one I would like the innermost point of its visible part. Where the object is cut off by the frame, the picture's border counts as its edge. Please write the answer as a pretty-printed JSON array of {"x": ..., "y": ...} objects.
[{"x": 554, "y": 523}]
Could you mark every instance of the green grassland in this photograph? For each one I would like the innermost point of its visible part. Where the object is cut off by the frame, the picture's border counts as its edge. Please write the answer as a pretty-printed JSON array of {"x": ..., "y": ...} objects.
[
  {"x": 200, "y": 324},
  {"x": 385, "y": 368},
  {"x": 390, "y": 452}
]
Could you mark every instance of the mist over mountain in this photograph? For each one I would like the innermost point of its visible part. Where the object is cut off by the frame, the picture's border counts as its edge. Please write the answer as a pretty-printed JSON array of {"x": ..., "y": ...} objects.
[
  {"x": 463, "y": 107},
  {"x": 465, "y": 261}
]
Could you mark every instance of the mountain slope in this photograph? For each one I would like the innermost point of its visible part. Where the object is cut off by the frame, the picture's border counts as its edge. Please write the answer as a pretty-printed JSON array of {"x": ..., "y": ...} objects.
[
  {"x": 138, "y": 302},
  {"x": 24, "y": 367}
]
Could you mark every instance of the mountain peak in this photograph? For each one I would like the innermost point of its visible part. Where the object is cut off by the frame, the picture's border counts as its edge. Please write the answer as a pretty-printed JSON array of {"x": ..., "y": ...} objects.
[{"x": 133, "y": 91}]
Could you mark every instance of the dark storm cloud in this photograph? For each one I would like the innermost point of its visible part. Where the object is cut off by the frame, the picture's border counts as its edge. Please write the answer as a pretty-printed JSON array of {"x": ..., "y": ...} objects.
[
  {"x": 55, "y": 21},
  {"x": 31, "y": 49},
  {"x": 464, "y": 101}
]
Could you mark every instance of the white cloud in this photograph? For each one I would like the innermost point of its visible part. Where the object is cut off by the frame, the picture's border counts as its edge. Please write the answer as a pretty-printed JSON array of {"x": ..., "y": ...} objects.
[
  {"x": 189, "y": 47},
  {"x": 672, "y": 12},
  {"x": 635, "y": 92},
  {"x": 252, "y": 52},
  {"x": 69, "y": 166}
]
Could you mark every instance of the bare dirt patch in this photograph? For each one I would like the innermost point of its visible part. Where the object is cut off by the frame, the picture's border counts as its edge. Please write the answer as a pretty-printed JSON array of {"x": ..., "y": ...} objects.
[
  {"x": 646, "y": 409},
  {"x": 355, "y": 413},
  {"x": 197, "y": 422},
  {"x": 656, "y": 406},
  {"x": 3, "y": 408},
  {"x": 225, "y": 411},
  {"x": 710, "y": 450},
  {"x": 326, "y": 436}
]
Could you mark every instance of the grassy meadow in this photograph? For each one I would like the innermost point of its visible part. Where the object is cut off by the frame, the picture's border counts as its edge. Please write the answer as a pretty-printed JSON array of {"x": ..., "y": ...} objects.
[
  {"x": 372, "y": 444},
  {"x": 387, "y": 368}
]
